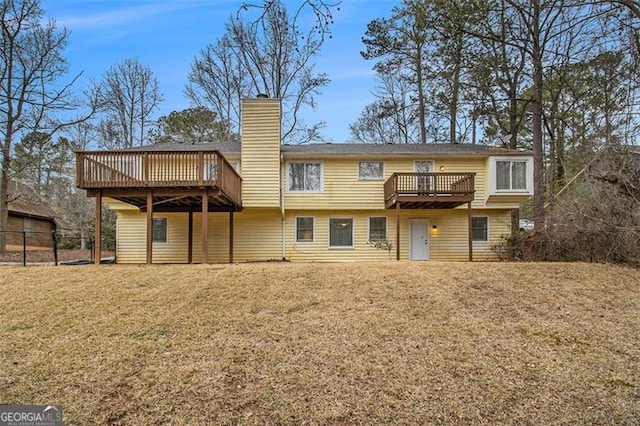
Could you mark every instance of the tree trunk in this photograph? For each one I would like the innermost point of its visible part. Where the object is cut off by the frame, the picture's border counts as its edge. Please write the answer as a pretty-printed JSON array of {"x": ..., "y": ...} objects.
[
  {"x": 513, "y": 118},
  {"x": 560, "y": 170},
  {"x": 83, "y": 239},
  {"x": 515, "y": 228},
  {"x": 4, "y": 197},
  {"x": 453, "y": 108},
  {"x": 552, "y": 131},
  {"x": 421, "y": 107},
  {"x": 455, "y": 89},
  {"x": 538, "y": 148}
]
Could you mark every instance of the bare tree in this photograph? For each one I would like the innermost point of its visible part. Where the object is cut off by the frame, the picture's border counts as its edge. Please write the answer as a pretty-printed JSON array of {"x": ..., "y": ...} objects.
[
  {"x": 598, "y": 218},
  {"x": 129, "y": 94},
  {"x": 392, "y": 117},
  {"x": 264, "y": 54},
  {"x": 31, "y": 64},
  {"x": 81, "y": 135},
  {"x": 217, "y": 80}
]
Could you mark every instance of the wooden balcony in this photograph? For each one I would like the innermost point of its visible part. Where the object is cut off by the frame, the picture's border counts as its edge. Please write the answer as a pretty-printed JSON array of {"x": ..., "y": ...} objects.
[
  {"x": 428, "y": 190},
  {"x": 177, "y": 180}
]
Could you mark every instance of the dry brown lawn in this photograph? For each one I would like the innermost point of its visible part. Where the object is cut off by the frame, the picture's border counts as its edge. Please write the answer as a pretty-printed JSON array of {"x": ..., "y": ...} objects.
[{"x": 273, "y": 343}]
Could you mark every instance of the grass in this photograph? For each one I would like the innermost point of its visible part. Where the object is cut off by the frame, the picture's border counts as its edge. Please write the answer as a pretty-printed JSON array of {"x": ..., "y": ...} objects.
[{"x": 393, "y": 343}]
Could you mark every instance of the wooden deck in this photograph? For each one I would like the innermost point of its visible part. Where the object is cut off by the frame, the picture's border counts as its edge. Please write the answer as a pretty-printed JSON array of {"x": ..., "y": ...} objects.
[
  {"x": 163, "y": 181},
  {"x": 428, "y": 190},
  {"x": 176, "y": 179}
]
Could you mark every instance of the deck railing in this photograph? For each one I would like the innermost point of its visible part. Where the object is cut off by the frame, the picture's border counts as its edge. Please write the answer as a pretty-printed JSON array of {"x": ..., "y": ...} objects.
[
  {"x": 429, "y": 184},
  {"x": 148, "y": 169}
]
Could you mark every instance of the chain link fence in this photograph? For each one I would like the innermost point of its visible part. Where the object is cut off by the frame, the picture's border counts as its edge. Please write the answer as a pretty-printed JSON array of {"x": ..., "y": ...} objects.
[{"x": 48, "y": 247}]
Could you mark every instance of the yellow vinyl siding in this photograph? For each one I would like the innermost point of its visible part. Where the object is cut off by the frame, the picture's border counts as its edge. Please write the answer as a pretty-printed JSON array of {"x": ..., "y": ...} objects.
[
  {"x": 319, "y": 249},
  {"x": 261, "y": 153},
  {"x": 118, "y": 205},
  {"x": 342, "y": 189},
  {"x": 131, "y": 238},
  {"x": 449, "y": 242},
  {"x": 257, "y": 236}
]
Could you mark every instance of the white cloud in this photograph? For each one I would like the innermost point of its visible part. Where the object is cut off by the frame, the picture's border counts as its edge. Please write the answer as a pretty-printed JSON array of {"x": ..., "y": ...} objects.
[{"x": 118, "y": 17}]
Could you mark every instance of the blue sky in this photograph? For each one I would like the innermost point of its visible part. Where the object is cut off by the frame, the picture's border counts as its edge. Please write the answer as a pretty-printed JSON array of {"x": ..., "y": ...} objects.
[{"x": 167, "y": 34}]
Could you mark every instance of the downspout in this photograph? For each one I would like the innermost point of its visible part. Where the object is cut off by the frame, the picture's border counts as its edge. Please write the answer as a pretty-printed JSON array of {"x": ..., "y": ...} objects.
[{"x": 282, "y": 209}]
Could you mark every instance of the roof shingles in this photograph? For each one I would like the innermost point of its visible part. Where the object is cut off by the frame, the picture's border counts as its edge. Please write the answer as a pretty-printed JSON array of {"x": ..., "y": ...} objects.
[{"x": 345, "y": 149}]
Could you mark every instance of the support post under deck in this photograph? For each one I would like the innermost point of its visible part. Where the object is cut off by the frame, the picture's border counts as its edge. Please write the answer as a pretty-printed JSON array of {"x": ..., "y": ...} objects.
[
  {"x": 470, "y": 231},
  {"x": 97, "y": 241},
  {"x": 231, "y": 236},
  {"x": 149, "y": 227},
  {"x": 205, "y": 227},
  {"x": 190, "y": 239},
  {"x": 397, "y": 230}
]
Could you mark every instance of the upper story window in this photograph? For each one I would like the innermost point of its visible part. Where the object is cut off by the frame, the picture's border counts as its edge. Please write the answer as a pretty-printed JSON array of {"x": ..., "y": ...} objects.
[
  {"x": 305, "y": 176},
  {"x": 511, "y": 174},
  {"x": 371, "y": 170}
]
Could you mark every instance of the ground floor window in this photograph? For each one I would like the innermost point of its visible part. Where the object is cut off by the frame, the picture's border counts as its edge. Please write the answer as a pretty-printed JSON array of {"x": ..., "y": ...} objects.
[
  {"x": 160, "y": 228},
  {"x": 480, "y": 228},
  {"x": 377, "y": 228},
  {"x": 304, "y": 229},
  {"x": 341, "y": 233}
]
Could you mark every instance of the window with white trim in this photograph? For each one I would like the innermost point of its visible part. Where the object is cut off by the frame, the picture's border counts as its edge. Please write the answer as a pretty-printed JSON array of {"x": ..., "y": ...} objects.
[
  {"x": 371, "y": 170},
  {"x": 480, "y": 228},
  {"x": 377, "y": 228},
  {"x": 160, "y": 230},
  {"x": 341, "y": 233},
  {"x": 305, "y": 176},
  {"x": 511, "y": 175},
  {"x": 304, "y": 229}
]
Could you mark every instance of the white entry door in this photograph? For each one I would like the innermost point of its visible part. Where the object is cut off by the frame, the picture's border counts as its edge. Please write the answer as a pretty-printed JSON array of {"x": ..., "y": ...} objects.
[{"x": 419, "y": 229}]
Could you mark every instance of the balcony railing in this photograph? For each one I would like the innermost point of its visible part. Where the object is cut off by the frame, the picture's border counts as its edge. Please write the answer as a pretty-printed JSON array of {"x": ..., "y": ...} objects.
[
  {"x": 166, "y": 169},
  {"x": 429, "y": 190}
]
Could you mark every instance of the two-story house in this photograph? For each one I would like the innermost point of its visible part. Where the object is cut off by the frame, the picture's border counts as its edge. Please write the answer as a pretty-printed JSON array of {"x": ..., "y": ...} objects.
[{"x": 261, "y": 200}]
